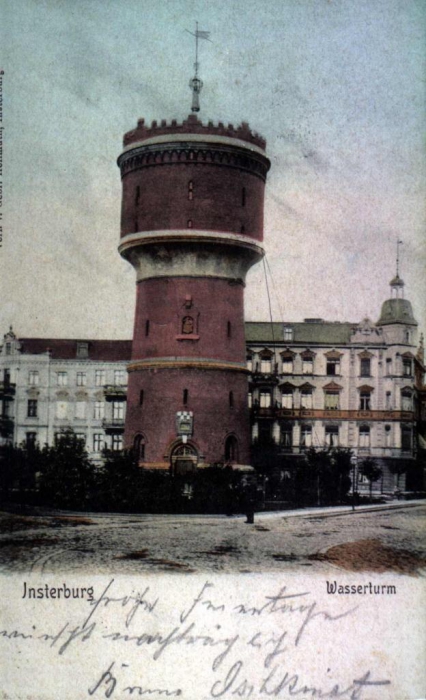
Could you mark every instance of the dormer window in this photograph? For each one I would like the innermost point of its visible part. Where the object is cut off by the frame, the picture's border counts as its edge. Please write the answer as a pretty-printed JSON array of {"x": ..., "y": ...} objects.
[
  {"x": 83, "y": 350},
  {"x": 288, "y": 333}
]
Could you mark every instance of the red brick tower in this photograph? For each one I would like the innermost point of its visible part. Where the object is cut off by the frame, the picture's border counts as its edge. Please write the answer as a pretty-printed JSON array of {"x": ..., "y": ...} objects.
[{"x": 191, "y": 226}]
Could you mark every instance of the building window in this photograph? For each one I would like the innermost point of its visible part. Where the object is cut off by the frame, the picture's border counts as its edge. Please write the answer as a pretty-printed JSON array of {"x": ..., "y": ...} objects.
[
  {"x": 331, "y": 401},
  {"x": 62, "y": 410},
  {"x": 287, "y": 398},
  {"x": 62, "y": 378},
  {"x": 231, "y": 399},
  {"x": 30, "y": 440},
  {"x": 189, "y": 224},
  {"x": 83, "y": 349},
  {"x": 8, "y": 348},
  {"x": 243, "y": 197},
  {"x": 147, "y": 327},
  {"x": 242, "y": 228},
  {"x": 32, "y": 408},
  {"x": 141, "y": 397},
  {"x": 308, "y": 365},
  {"x": 364, "y": 436},
  {"x": 81, "y": 379},
  {"x": 137, "y": 194},
  {"x": 407, "y": 367},
  {"x": 408, "y": 336},
  {"x": 388, "y": 401},
  {"x": 80, "y": 409},
  {"x": 185, "y": 397},
  {"x": 250, "y": 399},
  {"x": 365, "y": 367},
  {"x": 306, "y": 436},
  {"x": 388, "y": 366},
  {"x": 119, "y": 377},
  {"x": 136, "y": 224},
  {"x": 406, "y": 400},
  {"x": 99, "y": 412},
  {"x": 332, "y": 435},
  {"x": 190, "y": 191},
  {"x": 117, "y": 443},
  {"x": 187, "y": 325},
  {"x": 99, "y": 377},
  {"x": 231, "y": 449},
  {"x": 388, "y": 436},
  {"x": 266, "y": 365},
  {"x": 33, "y": 378},
  {"x": 288, "y": 334},
  {"x": 286, "y": 436},
  {"x": 365, "y": 401},
  {"x": 229, "y": 329},
  {"x": 265, "y": 399},
  {"x": 333, "y": 367},
  {"x": 287, "y": 365},
  {"x": 98, "y": 442},
  {"x": 406, "y": 438},
  {"x": 81, "y": 437},
  {"x": 118, "y": 410},
  {"x": 306, "y": 398},
  {"x": 249, "y": 363}
]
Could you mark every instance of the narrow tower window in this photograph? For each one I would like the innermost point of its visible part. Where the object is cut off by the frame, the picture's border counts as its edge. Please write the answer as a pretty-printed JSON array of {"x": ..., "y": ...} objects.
[
  {"x": 229, "y": 329},
  {"x": 242, "y": 229},
  {"x": 136, "y": 225},
  {"x": 141, "y": 397},
  {"x": 137, "y": 194},
  {"x": 231, "y": 398},
  {"x": 185, "y": 397},
  {"x": 147, "y": 326},
  {"x": 190, "y": 190},
  {"x": 189, "y": 223},
  {"x": 243, "y": 197}
]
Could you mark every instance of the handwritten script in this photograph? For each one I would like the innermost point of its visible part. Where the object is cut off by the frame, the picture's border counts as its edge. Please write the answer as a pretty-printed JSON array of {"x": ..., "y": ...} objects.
[{"x": 195, "y": 640}]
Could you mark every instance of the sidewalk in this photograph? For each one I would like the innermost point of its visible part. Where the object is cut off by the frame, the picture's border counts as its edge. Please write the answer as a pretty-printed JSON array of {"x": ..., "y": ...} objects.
[{"x": 339, "y": 510}]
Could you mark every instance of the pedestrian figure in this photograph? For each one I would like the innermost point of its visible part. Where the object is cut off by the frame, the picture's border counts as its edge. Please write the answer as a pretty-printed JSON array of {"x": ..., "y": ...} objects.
[{"x": 248, "y": 499}]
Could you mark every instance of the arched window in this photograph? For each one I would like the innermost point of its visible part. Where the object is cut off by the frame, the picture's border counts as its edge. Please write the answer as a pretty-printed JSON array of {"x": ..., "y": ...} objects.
[
  {"x": 139, "y": 446},
  {"x": 189, "y": 223},
  {"x": 231, "y": 449},
  {"x": 190, "y": 190},
  {"x": 187, "y": 325}
]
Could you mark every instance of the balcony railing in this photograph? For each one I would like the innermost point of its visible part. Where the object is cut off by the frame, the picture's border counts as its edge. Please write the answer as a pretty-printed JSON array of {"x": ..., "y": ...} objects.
[
  {"x": 115, "y": 392},
  {"x": 7, "y": 389},
  {"x": 335, "y": 413},
  {"x": 6, "y": 425},
  {"x": 113, "y": 425}
]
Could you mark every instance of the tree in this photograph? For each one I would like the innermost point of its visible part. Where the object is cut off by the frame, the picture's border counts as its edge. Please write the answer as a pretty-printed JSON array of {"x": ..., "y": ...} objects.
[
  {"x": 342, "y": 465},
  {"x": 67, "y": 476},
  {"x": 371, "y": 471}
]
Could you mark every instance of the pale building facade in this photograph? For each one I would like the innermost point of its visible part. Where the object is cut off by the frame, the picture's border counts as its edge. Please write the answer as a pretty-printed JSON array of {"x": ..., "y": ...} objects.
[{"x": 314, "y": 383}]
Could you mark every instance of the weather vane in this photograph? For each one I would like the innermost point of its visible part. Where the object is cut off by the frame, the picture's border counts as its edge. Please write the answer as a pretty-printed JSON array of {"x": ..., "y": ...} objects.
[
  {"x": 195, "y": 83},
  {"x": 398, "y": 243}
]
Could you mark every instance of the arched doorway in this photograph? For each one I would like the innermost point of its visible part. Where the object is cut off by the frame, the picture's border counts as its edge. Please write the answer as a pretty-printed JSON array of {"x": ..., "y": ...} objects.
[
  {"x": 184, "y": 458},
  {"x": 231, "y": 449}
]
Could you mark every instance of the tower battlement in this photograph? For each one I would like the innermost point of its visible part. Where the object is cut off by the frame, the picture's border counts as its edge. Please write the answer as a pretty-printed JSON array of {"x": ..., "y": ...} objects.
[{"x": 192, "y": 125}]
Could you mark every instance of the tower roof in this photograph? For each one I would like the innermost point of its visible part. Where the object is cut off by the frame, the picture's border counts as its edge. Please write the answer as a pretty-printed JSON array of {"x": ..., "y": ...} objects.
[{"x": 396, "y": 311}]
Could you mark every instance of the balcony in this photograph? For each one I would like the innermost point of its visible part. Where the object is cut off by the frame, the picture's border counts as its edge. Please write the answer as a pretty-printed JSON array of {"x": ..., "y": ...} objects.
[
  {"x": 7, "y": 390},
  {"x": 113, "y": 425},
  {"x": 115, "y": 392},
  {"x": 6, "y": 426}
]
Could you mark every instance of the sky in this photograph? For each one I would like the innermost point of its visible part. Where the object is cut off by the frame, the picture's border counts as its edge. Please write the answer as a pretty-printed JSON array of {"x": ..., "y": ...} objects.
[{"x": 336, "y": 87}]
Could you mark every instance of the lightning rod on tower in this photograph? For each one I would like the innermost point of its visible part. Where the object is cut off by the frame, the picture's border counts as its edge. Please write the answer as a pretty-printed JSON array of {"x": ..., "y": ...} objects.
[{"x": 195, "y": 83}]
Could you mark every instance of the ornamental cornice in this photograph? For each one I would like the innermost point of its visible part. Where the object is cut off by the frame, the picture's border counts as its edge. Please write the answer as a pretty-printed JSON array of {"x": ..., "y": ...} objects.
[
  {"x": 193, "y": 153},
  {"x": 187, "y": 363}
]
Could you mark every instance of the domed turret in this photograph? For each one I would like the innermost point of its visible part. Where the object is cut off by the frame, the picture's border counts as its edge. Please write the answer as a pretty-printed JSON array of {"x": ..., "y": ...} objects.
[{"x": 397, "y": 309}]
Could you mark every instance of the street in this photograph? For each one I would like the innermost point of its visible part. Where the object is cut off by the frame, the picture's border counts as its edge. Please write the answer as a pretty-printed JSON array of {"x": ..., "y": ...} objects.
[{"x": 391, "y": 539}]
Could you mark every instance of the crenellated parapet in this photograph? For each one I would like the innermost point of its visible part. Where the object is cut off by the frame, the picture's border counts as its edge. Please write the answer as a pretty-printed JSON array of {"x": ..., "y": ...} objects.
[{"x": 192, "y": 125}]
